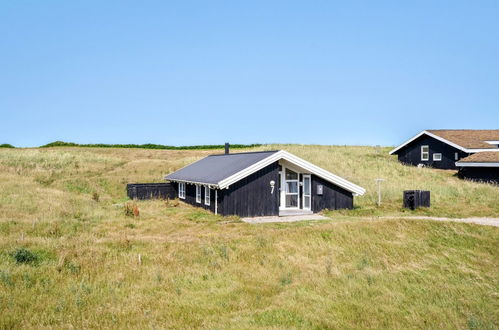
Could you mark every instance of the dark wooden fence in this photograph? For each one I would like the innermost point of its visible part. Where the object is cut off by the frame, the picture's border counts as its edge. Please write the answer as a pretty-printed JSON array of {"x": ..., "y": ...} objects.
[
  {"x": 416, "y": 198},
  {"x": 150, "y": 191}
]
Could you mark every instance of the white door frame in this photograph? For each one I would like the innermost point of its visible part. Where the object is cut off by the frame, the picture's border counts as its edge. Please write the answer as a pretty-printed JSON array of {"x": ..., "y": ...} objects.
[
  {"x": 309, "y": 195},
  {"x": 284, "y": 189}
]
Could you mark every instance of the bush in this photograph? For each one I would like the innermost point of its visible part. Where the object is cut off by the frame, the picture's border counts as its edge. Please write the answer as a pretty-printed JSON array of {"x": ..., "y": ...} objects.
[
  {"x": 146, "y": 146},
  {"x": 6, "y": 145},
  {"x": 24, "y": 256},
  {"x": 95, "y": 197},
  {"x": 131, "y": 209}
]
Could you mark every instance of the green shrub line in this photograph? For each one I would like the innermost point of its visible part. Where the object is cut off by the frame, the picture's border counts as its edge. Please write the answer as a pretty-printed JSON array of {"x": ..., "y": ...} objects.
[
  {"x": 147, "y": 146},
  {"x": 6, "y": 145}
]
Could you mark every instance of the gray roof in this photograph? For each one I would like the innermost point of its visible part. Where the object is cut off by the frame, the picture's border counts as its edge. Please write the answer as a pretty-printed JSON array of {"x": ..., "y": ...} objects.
[{"x": 215, "y": 168}]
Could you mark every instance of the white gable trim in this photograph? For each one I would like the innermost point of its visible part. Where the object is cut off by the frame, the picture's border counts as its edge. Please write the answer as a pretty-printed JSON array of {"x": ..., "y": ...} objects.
[
  {"x": 328, "y": 176},
  {"x": 444, "y": 141},
  {"x": 433, "y": 136}
]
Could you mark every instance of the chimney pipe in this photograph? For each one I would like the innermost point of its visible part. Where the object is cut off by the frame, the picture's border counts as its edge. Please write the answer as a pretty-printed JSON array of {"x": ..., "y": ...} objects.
[{"x": 227, "y": 146}]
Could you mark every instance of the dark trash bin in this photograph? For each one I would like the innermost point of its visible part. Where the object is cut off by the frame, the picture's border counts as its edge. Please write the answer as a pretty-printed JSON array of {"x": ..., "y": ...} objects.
[{"x": 416, "y": 198}]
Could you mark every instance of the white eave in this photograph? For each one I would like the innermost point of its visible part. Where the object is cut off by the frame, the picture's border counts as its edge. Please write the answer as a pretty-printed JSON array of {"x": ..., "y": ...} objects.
[
  {"x": 440, "y": 139},
  {"x": 328, "y": 176},
  {"x": 476, "y": 164}
]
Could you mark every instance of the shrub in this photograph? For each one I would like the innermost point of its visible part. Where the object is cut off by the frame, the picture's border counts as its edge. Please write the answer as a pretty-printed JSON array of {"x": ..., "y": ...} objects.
[
  {"x": 24, "y": 256},
  {"x": 147, "y": 146},
  {"x": 131, "y": 209},
  {"x": 95, "y": 196},
  {"x": 6, "y": 145}
]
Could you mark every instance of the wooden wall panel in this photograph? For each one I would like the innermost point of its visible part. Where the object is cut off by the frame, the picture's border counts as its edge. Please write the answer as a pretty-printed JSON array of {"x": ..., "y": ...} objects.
[{"x": 251, "y": 196}]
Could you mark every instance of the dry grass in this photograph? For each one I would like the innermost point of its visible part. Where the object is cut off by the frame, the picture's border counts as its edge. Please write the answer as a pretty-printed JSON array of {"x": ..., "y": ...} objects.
[{"x": 175, "y": 266}]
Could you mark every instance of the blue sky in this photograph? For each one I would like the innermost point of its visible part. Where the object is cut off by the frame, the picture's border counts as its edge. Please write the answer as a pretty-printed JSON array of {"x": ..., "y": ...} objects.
[{"x": 206, "y": 72}]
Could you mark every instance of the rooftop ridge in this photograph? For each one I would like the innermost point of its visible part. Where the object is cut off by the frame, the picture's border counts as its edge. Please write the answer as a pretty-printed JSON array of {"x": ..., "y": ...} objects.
[{"x": 244, "y": 153}]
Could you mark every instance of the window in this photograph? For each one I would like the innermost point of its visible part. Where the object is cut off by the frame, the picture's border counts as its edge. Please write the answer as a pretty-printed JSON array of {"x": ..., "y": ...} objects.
[
  {"x": 425, "y": 153},
  {"x": 207, "y": 194},
  {"x": 291, "y": 189},
  {"x": 456, "y": 156},
  {"x": 437, "y": 157},
  {"x": 181, "y": 190},
  {"x": 198, "y": 193}
]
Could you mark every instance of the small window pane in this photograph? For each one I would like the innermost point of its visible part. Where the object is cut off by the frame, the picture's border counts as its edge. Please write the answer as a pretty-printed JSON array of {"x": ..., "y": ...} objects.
[
  {"x": 291, "y": 200},
  {"x": 198, "y": 193},
  {"x": 292, "y": 187},
  {"x": 291, "y": 175},
  {"x": 306, "y": 202},
  {"x": 207, "y": 193},
  {"x": 306, "y": 186}
]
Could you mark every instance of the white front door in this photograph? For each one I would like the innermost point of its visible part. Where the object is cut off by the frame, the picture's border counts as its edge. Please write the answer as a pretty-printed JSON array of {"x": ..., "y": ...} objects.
[{"x": 307, "y": 188}]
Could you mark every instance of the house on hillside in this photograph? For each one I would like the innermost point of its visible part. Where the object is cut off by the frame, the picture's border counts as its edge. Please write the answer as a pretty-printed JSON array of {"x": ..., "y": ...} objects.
[
  {"x": 443, "y": 148},
  {"x": 266, "y": 183},
  {"x": 482, "y": 166}
]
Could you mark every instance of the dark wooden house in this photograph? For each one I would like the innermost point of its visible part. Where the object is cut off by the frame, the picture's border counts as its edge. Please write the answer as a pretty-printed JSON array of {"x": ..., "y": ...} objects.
[
  {"x": 267, "y": 183},
  {"x": 443, "y": 148},
  {"x": 482, "y": 166}
]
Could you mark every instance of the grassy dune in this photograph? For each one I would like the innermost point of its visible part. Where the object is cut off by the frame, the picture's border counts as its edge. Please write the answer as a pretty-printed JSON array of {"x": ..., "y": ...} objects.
[{"x": 69, "y": 257}]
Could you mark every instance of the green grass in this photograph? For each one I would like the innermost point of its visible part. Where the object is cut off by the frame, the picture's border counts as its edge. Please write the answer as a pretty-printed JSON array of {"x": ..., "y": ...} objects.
[{"x": 91, "y": 266}]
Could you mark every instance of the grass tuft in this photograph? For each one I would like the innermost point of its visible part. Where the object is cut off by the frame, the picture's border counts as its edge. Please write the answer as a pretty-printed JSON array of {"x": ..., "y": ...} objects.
[{"x": 25, "y": 256}]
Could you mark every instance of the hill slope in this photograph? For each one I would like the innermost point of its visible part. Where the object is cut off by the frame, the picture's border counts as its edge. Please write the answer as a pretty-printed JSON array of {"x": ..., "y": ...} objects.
[{"x": 70, "y": 257}]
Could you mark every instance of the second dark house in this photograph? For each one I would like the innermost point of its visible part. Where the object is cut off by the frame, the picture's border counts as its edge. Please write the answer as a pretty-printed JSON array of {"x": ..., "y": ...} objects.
[
  {"x": 266, "y": 183},
  {"x": 443, "y": 148}
]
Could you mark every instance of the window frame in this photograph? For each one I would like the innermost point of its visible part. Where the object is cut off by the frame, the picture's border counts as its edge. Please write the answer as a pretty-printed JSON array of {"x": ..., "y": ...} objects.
[
  {"x": 456, "y": 156},
  {"x": 427, "y": 158},
  {"x": 181, "y": 190},
  {"x": 435, "y": 159},
  {"x": 198, "y": 194},
  {"x": 207, "y": 195}
]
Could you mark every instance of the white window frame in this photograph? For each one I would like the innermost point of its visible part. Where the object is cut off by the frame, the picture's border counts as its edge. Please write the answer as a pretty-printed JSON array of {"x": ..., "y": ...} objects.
[
  {"x": 207, "y": 195},
  {"x": 437, "y": 159},
  {"x": 305, "y": 195},
  {"x": 198, "y": 194},
  {"x": 425, "y": 155},
  {"x": 456, "y": 155},
  {"x": 181, "y": 190}
]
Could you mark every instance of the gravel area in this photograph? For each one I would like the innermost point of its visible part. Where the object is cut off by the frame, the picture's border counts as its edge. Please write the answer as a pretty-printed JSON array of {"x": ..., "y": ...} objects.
[{"x": 290, "y": 218}]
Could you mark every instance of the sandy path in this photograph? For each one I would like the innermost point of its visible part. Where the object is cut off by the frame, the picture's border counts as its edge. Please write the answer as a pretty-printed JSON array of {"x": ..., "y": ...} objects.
[{"x": 478, "y": 221}]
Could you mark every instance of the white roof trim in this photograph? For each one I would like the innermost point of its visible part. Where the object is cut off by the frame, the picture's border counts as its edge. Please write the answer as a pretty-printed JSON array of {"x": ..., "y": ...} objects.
[
  {"x": 328, "y": 176},
  {"x": 429, "y": 134},
  {"x": 470, "y": 164},
  {"x": 440, "y": 139}
]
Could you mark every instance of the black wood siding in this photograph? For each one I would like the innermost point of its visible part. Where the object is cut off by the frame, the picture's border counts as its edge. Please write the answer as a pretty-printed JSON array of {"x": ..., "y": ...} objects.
[
  {"x": 484, "y": 174},
  {"x": 251, "y": 196},
  {"x": 151, "y": 190},
  {"x": 333, "y": 197},
  {"x": 411, "y": 153},
  {"x": 190, "y": 196}
]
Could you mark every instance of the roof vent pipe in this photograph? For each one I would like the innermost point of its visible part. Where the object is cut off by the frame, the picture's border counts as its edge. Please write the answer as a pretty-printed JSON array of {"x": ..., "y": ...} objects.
[{"x": 227, "y": 147}]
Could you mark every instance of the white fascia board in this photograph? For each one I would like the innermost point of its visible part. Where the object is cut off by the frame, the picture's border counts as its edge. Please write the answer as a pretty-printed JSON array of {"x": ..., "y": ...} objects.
[
  {"x": 406, "y": 142},
  {"x": 435, "y": 137},
  {"x": 328, "y": 176},
  {"x": 466, "y": 164},
  {"x": 211, "y": 185},
  {"x": 482, "y": 150}
]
